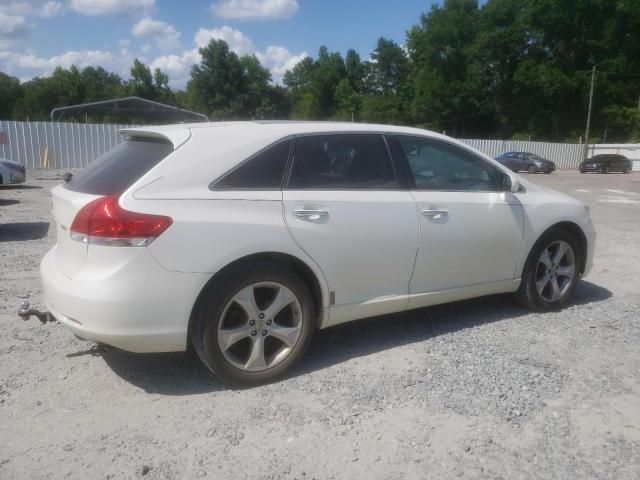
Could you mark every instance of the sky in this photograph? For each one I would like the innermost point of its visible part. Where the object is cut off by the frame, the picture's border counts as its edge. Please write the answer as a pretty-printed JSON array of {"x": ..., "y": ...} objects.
[{"x": 36, "y": 36}]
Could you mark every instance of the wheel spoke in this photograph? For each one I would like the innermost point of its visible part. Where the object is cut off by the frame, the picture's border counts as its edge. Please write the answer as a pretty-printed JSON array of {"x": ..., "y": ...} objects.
[
  {"x": 283, "y": 298},
  {"x": 543, "y": 282},
  {"x": 286, "y": 335},
  {"x": 567, "y": 271},
  {"x": 560, "y": 252},
  {"x": 247, "y": 300},
  {"x": 555, "y": 289},
  {"x": 227, "y": 337},
  {"x": 257, "y": 360},
  {"x": 545, "y": 259}
]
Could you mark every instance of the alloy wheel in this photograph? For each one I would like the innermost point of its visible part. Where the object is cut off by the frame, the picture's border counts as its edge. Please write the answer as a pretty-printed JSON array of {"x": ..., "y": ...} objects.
[
  {"x": 555, "y": 271},
  {"x": 260, "y": 326}
]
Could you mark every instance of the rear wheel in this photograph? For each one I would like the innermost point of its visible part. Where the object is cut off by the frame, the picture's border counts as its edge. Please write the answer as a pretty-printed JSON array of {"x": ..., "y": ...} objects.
[
  {"x": 627, "y": 169},
  {"x": 255, "y": 326},
  {"x": 531, "y": 169},
  {"x": 605, "y": 169},
  {"x": 551, "y": 272}
]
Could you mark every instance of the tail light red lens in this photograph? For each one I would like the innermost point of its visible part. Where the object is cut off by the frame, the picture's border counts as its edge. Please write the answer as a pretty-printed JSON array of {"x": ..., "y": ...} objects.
[{"x": 104, "y": 222}]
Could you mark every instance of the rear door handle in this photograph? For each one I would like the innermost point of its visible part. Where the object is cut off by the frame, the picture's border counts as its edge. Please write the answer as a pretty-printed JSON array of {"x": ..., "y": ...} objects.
[
  {"x": 310, "y": 213},
  {"x": 435, "y": 213}
]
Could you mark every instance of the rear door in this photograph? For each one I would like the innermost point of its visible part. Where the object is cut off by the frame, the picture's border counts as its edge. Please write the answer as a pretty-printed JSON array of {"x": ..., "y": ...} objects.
[
  {"x": 110, "y": 174},
  {"x": 348, "y": 210}
]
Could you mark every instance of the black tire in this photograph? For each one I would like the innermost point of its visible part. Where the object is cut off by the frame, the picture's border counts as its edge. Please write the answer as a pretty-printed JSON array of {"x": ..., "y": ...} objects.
[
  {"x": 605, "y": 169},
  {"x": 531, "y": 169},
  {"x": 627, "y": 170},
  {"x": 528, "y": 294},
  {"x": 204, "y": 330}
]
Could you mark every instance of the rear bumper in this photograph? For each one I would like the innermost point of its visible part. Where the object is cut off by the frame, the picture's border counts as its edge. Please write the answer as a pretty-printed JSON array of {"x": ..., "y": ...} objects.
[{"x": 138, "y": 307}]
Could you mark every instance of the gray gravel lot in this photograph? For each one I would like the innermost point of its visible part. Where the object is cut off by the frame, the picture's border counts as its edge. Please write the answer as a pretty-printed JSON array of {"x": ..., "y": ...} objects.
[{"x": 476, "y": 389}]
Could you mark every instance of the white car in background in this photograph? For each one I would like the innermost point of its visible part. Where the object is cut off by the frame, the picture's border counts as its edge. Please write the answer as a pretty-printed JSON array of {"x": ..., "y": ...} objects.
[
  {"x": 239, "y": 239},
  {"x": 11, "y": 172}
]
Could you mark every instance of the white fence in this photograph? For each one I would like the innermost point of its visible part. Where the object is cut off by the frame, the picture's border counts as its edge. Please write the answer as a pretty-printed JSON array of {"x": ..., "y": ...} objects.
[
  {"x": 56, "y": 145},
  {"x": 74, "y": 145}
]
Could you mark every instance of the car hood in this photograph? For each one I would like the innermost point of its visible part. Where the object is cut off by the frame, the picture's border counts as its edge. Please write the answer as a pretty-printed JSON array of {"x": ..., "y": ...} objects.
[{"x": 533, "y": 188}]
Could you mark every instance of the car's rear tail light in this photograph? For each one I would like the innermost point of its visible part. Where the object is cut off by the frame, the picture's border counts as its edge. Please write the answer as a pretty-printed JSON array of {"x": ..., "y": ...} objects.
[{"x": 104, "y": 222}]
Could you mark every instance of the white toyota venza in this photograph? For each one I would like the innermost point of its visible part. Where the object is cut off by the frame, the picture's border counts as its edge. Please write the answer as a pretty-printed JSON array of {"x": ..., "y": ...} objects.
[{"x": 240, "y": 239}]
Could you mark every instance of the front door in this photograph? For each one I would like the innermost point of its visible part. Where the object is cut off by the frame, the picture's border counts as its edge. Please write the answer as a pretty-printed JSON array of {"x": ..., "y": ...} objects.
[{"x": 470, "y": 229}]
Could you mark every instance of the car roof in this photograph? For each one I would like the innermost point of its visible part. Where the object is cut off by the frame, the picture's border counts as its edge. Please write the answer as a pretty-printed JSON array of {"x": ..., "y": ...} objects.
[{"x": 180, "y": 133}]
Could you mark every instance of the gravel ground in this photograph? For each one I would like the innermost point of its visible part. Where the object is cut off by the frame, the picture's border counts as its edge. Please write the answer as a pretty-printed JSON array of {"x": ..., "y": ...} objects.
[{"x": 476, "y": 389}]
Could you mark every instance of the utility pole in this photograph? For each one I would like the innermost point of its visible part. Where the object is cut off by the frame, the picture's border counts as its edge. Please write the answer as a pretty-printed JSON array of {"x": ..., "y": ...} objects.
[{"x": 585, "y": 153}]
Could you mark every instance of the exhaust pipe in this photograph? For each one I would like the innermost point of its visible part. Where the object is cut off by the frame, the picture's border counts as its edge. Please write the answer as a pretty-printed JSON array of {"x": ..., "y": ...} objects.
[{"x": 25, "y": 313}]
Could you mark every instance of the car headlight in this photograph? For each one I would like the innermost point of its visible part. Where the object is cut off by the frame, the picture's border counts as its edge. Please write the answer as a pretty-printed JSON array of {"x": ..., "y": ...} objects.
[{"x": 538, "y": 163}]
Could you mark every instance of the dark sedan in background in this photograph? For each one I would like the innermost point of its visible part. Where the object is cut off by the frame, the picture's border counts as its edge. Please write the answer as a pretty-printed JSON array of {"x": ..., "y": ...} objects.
[
  {"x": 607, "y": 162},
  {"x": 530, "y": 162}
]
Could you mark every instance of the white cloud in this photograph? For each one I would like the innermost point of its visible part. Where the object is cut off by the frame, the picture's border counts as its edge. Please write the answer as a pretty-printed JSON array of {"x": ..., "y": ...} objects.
[
  {"x": 255, "y": 9},
  {"x": 40, "y": 8},
  {"x": 50, "y": 9},
  {"x": 237, "y": 41},
  {"x": 19, "y": 62},
  {"x": 145, "y": 48},
  {"x": 278, "y": 60},
  {"x": 12, "y": 25},
  {"x": 166, "y": 36},
  {"x": 110, "y": 7}
]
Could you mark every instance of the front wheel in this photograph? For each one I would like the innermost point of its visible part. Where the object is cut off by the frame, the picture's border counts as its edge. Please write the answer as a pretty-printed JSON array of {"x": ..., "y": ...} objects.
[
  {"x": 256, "y": 325},
  {"x": 627, "y": 170},
  {"x": 551, "y": 272}
]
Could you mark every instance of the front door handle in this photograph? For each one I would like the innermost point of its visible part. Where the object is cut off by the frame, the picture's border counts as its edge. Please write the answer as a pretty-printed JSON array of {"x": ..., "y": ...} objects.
[
  {"x": 310, "y": 213},
  {"x": 435, "y": 213}
]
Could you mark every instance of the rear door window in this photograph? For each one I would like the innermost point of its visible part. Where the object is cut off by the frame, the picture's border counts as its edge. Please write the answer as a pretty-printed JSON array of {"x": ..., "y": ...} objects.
[
  {"x": 120, "y": 167},
  {"x": 342, "y": 162}
]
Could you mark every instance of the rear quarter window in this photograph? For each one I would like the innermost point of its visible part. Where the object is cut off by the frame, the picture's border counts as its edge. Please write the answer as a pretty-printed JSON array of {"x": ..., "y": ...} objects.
[{"x": 120, "y": 167}]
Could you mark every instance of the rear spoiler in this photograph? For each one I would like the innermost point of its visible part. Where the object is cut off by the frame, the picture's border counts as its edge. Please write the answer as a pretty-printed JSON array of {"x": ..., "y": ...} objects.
[{"x": 177, "y": 136}]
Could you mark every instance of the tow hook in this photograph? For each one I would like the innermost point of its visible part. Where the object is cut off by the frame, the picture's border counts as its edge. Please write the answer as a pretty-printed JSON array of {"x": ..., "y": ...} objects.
[{"x": 25, "y": 313}]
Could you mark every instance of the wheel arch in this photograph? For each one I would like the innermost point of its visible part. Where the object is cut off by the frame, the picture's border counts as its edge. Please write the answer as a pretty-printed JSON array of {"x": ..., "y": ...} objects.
[
  {"x": 575, "y": 230},
  {"x": 297, "y": 265}
]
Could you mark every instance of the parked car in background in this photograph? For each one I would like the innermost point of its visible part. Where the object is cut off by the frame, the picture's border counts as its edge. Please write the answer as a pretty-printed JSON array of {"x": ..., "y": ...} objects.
[
  {"x": 240, "y": 239},
  {"x": 607, "y": 162},
  {"x": 524, "y": 161},
  {"x": 11, "y": 172}
]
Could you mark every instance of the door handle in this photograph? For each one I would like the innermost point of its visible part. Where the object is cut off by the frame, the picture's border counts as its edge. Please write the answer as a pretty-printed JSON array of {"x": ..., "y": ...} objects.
[
  {"x": 435, "y": 213},
  {"x": 310, "y": 213}
]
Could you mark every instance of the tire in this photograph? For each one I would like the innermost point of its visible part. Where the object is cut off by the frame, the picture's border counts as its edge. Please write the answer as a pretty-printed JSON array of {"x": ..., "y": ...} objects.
[
  {"x": 627, "y": 170},
  {"x": 605, "y": 169},
  {"x": 536, "y": 271},
  {"x": 531, "y": 169},
  {"x": 255, "y": 354}
]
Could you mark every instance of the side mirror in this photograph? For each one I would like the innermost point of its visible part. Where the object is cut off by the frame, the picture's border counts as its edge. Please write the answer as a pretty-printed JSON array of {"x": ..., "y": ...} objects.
[{"x": 510, "y": 184}]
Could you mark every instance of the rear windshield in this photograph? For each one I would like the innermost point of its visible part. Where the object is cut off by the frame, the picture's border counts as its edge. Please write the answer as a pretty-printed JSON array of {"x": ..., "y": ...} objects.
[{"x": 120, "y": 167}]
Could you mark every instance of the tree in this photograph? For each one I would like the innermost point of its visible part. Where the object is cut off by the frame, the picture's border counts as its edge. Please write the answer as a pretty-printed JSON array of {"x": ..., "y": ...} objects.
[
  {"x": 217, "y": 82},
  {"x": 10, "y": 93},
  {"x": 348, "y": 102},
  {"x": 446, "y": 82}
]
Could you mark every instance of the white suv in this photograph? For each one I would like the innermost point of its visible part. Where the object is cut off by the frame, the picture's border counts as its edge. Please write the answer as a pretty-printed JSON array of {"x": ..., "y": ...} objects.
[{"x": 239, "y": 239}]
